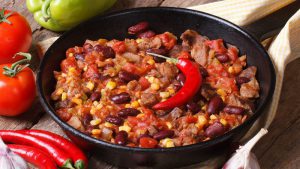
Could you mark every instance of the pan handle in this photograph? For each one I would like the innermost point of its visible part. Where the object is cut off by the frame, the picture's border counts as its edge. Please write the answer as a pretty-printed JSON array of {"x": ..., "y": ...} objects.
[{"x": 271, "y": 25}]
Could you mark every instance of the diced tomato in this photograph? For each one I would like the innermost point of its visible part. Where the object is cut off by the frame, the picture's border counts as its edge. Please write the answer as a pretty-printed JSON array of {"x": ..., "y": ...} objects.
[
  {"x": 184, "y": 54},
  {"x": 144, "y": 83},
  {"x": 233, "y": 53},
  {"x": 227, "y": 84},
  {"x": 91, "y": 72},
  {"x": 168, "y": 40},
  {"x": 191, "y": 119},
  {"x": 70, "y": 52},
  {"x": 67, "y": 63},
  {"x": 148, "y": 142},
  {"x": 119, "y": 47},
  {"x": 133, "y": 121},
  {"x": 216, "y": 45},
  {"x": 131, "y": 68}
]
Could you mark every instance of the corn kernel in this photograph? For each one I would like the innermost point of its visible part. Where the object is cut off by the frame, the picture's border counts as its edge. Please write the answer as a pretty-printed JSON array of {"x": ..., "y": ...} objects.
[
  {"x": 164, "y": 95},
  {"x": 92, "y": 111},
  {"x": 107, "y": 124},
  {"x": 139, "y": 40},
  {"x": 167, "y": 142},
  {"x": 223, "y": 98},
  {"x": 95, "y": 103},
  {"x": 71, "y": 54},
  {"x": 96, "y": 131},
  {"x": 204, "y": 107},
  {"x": 111, "y": 85},
  {"x": 213, "y": 117},
  {"x": 223, "y": 121},
  {"x": 59, "y": 91},
  {"x": 221, "y": 92},
  {"x": 77, "y": 101},
  {"x": 243, "y": 58},
  {"x": 171, "y": 90},
  {"x": 169, "y": 125},
  {"x": 99, "y": 106},
  {"x": 135, "y": 104},
  {"x": 151, "y": 62},
  {"x": 85, "y": 68},
  {"x": 231, "y": 70},
  {"x": 140, "y": 115},
  {"x": 95, "y": 122},
  {"x": 151, "y": 79},
  {"x": 202, "y": 121},
  {"x": 127, "y": 106},
  {"x": 71, "y": 69},
  {"x": 102, "y": 41},
  {"x": 90, "y": 85},
  {"x": 64, "y": 96},
  {"x": 155, "y": 86},
  {"x": 125, "y": 128}
]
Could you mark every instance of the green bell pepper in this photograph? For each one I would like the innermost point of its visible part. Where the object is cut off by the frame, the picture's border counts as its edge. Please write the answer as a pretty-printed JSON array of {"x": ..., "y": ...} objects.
[{"x": 61, "y": 15}]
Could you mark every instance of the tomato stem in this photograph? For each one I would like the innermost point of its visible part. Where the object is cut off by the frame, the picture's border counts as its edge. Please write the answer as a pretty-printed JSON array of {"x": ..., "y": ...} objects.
[
  {"x": 173, "y": 60},
  {"x": 3, "y": 17},
  {"x": 17, "y": 66}
]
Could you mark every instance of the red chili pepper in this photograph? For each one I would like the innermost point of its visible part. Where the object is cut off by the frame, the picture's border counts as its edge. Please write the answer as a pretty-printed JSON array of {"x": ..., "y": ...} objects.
[
  {"x": 191, "y": 86},
  {"x": 79, "y": 158},
  {"x": 60, "y": 157},
  {"x": 34, "y": 156}
]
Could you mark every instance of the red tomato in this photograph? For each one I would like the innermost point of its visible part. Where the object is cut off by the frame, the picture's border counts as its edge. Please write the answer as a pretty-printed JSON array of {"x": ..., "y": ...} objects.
[
  {"x": 17, "y": 93},
  {"x": 147, "y": 142},
  {"x": 119, "y": 47},
  {"x": 15, "y": 37},
  {"x": 168, "y": 40}
]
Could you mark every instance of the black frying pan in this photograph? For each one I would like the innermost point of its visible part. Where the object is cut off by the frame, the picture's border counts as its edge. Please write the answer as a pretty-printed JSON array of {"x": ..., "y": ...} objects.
[{"x": 174, "y": 20}]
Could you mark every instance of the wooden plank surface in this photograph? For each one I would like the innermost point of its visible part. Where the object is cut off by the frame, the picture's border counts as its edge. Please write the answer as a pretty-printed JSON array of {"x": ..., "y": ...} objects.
[{"x": 279, "y": 149}]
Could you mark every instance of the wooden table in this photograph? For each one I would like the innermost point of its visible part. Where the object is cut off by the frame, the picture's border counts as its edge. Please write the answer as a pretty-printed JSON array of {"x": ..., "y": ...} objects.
[{"x": 279, "y": 149}]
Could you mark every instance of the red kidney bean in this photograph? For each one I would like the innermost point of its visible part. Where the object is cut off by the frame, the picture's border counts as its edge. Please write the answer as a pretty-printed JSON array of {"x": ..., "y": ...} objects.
[
  {"x": 86, "y": 119},
  {"x": 114, "y": 120},
  {"x": 160, "y": 51},
  {"x": 146, "y": 34},
  {"x": 120, "y": 98},
  {"x": 181, "y": 78},
  {"x": 87, "y": 47},
  {"x": 234, "y": 110},
  {"x": 241, "y": 80},
  {"x": 127, "y": 77},
  {"x": 215, "y": 105},
  {"x": 121, "y": 138},
  {"x": 203, "y": 72},
  {"x": 107, "y": 51},
  {"x": 95, "y": 96},
  {"x": 142, "y": 26},
  {"x": 193, "y": 107},
  {"x": 128, "y": 112},
  {"x": 163, "y": 134},
  {"x": 214, "y": 130},
  {"x": 222, "y": 57}
]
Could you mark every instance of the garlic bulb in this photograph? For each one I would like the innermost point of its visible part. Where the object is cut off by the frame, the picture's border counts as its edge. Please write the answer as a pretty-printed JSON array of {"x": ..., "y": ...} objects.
[
  {"x": 243, "y": 158},
  {"x": 10, "y": 160}
]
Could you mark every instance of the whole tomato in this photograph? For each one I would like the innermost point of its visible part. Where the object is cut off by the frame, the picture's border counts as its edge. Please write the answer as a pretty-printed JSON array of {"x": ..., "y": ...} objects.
[
  {"x": 17, "y": 87},
  {"x": 15, "y": 36}
]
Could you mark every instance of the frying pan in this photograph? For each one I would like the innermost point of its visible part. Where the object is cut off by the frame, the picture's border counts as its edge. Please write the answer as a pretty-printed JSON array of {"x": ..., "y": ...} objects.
[{"x": 175, "y": 20}]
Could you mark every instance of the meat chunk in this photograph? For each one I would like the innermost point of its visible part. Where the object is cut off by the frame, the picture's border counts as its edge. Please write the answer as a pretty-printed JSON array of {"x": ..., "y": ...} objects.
[
  {"x": 199, "y": 51},
  {"x": 250, "y": 89},
  {"x": 207, "y": 91},
  {"x": 235, "y": 100},
  {"x": 149, "y": 99},
  {"x": 167, "y": 70},
  {"x": 249, "y": 72},
  {"x": 175, "y": 113},
  {"x": 149, "y": 43}
]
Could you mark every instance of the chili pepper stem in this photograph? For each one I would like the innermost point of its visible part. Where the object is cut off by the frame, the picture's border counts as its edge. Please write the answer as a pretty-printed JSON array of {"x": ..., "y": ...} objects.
[
  {"x": 17, "y": 66},
  {"x": 3, "y": 17},
  {"x": 68, "y": 164},
  {"x": 173, "y": 60},
  {"x": 79, "y": 164}
]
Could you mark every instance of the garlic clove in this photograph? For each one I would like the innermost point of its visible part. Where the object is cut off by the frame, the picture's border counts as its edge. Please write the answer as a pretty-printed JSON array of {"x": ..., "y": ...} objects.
[
  {"x": 243, "y": 158},
  {"x": 10, "y": 160}
]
